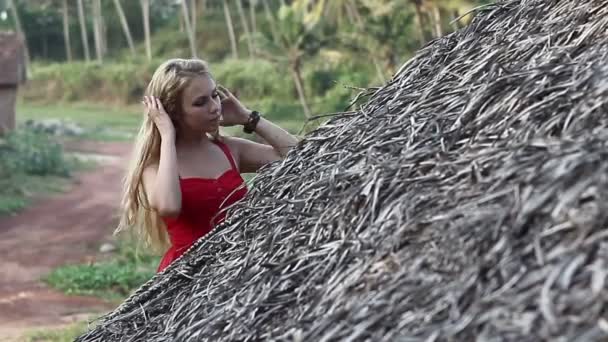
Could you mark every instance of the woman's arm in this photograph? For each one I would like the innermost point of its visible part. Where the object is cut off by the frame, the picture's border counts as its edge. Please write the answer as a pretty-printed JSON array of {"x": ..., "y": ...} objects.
[
  {"x": 280, "y": 140},
  {"x": 161, "y": 181},
  {"x": 252, "y": 155}
]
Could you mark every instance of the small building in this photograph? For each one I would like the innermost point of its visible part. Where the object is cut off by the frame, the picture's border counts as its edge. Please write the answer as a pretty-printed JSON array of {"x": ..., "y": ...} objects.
[{"x": 12, "y": 74}]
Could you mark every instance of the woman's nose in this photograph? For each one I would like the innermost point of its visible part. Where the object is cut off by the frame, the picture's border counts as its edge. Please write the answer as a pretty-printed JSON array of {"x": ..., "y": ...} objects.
[{"x": 215, "y": 105}]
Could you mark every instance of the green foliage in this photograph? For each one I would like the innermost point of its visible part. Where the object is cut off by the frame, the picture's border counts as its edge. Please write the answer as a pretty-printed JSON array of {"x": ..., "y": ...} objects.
[
  {"x": 99, "y": 120},
  {"x": 30, "y": 163},
  {"x": 64, "y": 334},
  {"x": 112, "y": 82},
  {"x": 253, "y": 79},
  {"x": 31, "y": 153},
  {"x": 111, "y": 279}
]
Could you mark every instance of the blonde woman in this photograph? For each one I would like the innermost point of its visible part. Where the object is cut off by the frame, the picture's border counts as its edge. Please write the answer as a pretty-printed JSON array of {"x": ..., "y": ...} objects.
[{"x": 183, "y": 173}]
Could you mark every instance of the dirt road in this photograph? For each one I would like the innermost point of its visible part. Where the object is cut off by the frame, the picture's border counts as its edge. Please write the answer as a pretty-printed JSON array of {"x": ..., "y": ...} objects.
[{"x": 60, "y": 229}]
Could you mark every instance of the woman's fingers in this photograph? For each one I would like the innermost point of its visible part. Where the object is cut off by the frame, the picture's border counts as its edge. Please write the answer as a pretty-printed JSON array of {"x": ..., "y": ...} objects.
[
  {"x": 158, "y": 104},
  {"x": 225, "y": 92}
]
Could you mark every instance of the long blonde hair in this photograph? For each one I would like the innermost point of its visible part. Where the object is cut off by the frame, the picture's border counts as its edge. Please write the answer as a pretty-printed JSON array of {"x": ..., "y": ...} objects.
[{"x": 167, "y": 84}]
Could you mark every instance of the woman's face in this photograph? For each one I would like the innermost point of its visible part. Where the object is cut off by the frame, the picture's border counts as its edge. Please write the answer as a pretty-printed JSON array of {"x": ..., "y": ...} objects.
[{"x": 201, "y": 104}]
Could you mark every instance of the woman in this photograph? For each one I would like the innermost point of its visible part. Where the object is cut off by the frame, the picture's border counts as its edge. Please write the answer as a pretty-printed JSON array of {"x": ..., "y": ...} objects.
[{"x": 183, "y": 173}]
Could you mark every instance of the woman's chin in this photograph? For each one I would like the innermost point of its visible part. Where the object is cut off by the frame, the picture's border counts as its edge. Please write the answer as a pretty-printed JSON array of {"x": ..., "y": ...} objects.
[{"x": 210, "y": 129}]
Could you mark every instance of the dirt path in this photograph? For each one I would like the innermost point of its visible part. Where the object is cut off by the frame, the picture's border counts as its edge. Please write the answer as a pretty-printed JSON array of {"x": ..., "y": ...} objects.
[{"x": 64, "y": 228}]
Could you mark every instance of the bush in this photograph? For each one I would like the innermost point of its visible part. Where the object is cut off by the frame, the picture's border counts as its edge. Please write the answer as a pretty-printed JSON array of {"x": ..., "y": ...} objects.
[
  {"x": 29, "y": 163},
  {"x": 254, "y": 79},
  {"x": 26, "y": 152},
  {"x": 112, "y": 82}
]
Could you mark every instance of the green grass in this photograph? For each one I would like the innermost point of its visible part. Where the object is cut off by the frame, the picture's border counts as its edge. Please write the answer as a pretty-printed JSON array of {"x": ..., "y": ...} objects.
[
  {"x": 64, "y": 334},
  {"x": 111, "y": 279},
  {"x": 25, "y": 188},
  {"x": 99, "y": 121},
  {"x": 108, "y": 123}
]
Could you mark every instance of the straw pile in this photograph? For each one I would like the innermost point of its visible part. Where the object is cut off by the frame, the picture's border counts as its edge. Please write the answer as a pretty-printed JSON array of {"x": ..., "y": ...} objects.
[{"x": 466, "y": 200}]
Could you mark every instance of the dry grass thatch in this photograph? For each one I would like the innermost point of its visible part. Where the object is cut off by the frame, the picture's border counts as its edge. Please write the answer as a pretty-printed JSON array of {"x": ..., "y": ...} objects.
[{"x": 466, "y": 200}]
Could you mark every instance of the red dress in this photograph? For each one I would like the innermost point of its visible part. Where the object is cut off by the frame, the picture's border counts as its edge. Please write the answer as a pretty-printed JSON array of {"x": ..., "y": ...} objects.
[{"x": 202, "y": 200}]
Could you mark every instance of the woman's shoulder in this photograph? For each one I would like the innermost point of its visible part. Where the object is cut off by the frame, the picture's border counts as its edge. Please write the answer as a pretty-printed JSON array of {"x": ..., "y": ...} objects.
[{"x": 233, "y": 143}]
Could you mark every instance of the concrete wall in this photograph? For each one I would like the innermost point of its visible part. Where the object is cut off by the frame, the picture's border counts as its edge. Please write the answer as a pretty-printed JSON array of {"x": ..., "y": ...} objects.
[{"x": 8, "y": 96}]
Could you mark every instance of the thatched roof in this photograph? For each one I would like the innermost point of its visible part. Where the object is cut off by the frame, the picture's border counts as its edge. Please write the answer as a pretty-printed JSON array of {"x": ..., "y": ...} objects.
[
  {"x": 12, "y": 59},
  {"x": 466, "y": 200}
]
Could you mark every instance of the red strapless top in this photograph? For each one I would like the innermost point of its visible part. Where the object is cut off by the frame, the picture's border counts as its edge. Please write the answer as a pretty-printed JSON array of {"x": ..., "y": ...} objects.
[{"x": 202, "y": 202}]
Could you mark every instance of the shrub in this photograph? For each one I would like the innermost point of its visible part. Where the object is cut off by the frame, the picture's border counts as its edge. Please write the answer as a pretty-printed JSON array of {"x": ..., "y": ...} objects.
[
  {"x": 31, "y": 153},
  {"x": 254, "y": 79}
]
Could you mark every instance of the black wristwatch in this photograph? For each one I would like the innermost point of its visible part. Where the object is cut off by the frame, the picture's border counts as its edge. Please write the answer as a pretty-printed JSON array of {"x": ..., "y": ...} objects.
[{"x": 252, "y": 122}]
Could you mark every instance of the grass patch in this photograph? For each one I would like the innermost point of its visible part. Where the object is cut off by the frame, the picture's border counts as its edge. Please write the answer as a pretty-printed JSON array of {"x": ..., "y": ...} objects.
[
  {"x": 64, "y": 334},
  {"x": 112, "y": 279},
  {"x": 100, "y": 122},
  {"x": 18, "y": 191}
]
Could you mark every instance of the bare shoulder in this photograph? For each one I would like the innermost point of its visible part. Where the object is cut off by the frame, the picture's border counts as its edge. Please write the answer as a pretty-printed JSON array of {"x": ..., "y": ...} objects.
[{"x": 236, "y": 145}]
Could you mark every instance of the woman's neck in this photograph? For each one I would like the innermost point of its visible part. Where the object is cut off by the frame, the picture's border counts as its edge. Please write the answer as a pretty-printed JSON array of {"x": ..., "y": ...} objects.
[{"x": 189, "y": 138}]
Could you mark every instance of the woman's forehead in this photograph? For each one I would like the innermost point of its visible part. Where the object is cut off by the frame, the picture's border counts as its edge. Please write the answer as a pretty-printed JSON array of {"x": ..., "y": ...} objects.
[{"x": 200, "y": 85}]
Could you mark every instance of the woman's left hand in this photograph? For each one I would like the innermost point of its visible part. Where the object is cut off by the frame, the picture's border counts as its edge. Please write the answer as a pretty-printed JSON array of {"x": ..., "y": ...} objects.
[{"x": 233, "y": 111}]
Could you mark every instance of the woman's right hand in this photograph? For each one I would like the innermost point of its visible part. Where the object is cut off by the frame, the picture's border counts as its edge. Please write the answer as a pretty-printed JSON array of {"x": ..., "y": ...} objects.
[{"x": 159, "y": 116}]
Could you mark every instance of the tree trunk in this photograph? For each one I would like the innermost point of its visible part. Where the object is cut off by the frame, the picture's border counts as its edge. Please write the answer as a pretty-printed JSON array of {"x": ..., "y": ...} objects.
[
  {"x": 66, "y": 30},
  {"x": 83, "y": 31},
  {"x": 125, "y": 26},
  {"x": 350, "y": 14},
  {"x": 193, "y": 15},
  {"x": 19, "y": 28},
  {"x": 97, "y": 30},
  {"x": 270, "y": 18},
  {"x": 437, "y": 21},
  {"x": 235, "y": 53},
  {"x": 297, "y": 78},
  {"x": 245, "y": 27},
  {"x": 189, "y": 32},
  {"x": 145, "y": 11},
  {"x": 254, "y": 26},
  {"x": 358, "y": 22},
  {"x": 419, "y": 22}
]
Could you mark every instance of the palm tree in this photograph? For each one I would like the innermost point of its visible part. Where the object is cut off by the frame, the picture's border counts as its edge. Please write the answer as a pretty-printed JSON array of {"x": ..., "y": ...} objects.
[
  {"x": 97, "y": 30},
  {"x": 125, "y": 26},
  {"x": 83, "y": 31},
  {"x": 271, "y": 20},
  {"x": 246, "y": 28},
  {"x": 145, "y": 11},
  {"x": 297, "y": 41},
  {"x": 338, "y": 12},
  {"x": 66, "y": 29},
  {"x": 228, "y": 18},
  {"x": 193, "y": 15},
  {"x": 254, "y": 29},
  {"x": 189, "y": 31}
]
